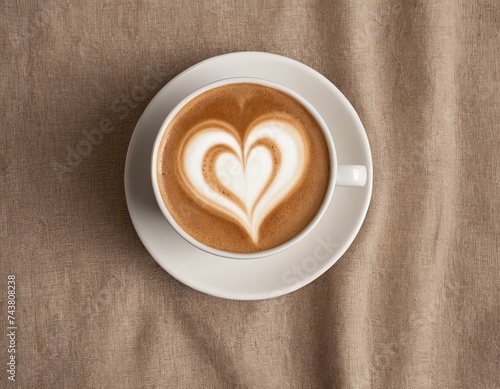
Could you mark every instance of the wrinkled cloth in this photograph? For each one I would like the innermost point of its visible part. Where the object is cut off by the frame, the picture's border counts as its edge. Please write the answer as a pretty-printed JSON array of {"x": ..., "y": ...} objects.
[{"x": 414, "y": 302}]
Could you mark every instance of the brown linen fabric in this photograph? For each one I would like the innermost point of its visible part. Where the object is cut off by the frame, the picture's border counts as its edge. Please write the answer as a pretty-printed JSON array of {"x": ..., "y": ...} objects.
[{"x": 415, "y": 301}]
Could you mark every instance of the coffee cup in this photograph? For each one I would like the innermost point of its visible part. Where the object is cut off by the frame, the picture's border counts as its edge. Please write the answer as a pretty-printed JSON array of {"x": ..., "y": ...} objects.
[{"x": 245, "y": 168}]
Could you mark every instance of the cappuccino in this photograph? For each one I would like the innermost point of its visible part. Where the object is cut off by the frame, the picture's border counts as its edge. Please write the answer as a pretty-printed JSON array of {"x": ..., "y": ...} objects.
[{"x": 243, "y": 167}]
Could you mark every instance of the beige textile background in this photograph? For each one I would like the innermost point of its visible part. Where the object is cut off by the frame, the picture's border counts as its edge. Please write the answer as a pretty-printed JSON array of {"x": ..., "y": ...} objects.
[{"x": 414, "y": 303}]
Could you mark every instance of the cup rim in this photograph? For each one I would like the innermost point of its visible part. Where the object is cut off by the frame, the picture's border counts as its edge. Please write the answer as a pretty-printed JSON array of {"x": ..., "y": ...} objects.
[{"x": 258, "y": 254}]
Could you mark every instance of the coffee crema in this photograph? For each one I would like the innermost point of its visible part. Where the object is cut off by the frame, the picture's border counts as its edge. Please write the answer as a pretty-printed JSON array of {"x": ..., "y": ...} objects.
[{"x": 243, "y": 167}]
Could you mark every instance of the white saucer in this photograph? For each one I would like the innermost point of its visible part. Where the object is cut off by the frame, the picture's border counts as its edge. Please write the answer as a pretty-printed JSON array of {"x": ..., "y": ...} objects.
[{"x": 286, "y": 271}]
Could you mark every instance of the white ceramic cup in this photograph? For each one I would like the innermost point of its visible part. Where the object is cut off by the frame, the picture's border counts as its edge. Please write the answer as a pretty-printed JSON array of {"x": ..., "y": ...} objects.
[{"x": 340, "y": 175}]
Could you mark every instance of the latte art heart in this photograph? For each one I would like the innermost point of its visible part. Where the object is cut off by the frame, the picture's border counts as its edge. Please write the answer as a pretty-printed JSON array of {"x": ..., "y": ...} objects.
[
  {"x": 245, "y": 179},
  {"x": 243, "y": 168}
]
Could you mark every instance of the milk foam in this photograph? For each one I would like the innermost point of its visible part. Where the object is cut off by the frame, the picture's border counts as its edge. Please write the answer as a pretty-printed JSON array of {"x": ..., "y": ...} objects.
[{"x": 255, "y": 176}]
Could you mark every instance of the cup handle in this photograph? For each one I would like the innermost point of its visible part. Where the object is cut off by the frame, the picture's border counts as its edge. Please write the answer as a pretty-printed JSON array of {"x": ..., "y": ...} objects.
[{"x": 351, "y": 175}]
